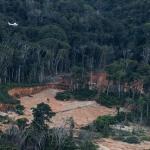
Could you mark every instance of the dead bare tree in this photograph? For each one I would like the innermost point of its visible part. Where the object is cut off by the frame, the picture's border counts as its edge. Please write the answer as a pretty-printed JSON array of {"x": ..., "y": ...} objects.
[{"x": 61, "y": 134}]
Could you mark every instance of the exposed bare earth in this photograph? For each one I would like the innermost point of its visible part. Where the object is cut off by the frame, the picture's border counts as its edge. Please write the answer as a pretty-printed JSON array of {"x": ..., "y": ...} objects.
[
  {"x": 109, "y": 144},
  {"x": 26, "y": 91},
  {"x": 83, "y": 115},
  {"x": 83, "y": 112}
]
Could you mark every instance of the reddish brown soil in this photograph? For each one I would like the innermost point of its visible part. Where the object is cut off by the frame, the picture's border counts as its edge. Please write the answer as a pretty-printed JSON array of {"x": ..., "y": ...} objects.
[
  {"x": 6, "y": 107},
  {"x": 20, "y": 92},
  {"x": 83, "y": 115},
  {"x": 82, "y": 112}
]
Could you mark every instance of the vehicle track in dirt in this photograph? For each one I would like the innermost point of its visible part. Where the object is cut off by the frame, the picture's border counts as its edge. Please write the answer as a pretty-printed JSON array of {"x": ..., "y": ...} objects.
[{"x": 83, "y": 112}]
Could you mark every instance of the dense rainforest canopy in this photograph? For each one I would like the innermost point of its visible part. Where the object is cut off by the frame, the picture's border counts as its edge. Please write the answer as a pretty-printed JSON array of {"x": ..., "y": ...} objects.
[
  {"x": 43, "y": 38},
  {"x": 52, "y": 36}
]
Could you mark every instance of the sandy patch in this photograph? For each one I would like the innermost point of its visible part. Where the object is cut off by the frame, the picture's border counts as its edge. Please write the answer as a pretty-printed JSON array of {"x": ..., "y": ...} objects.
[
  {"x": 83, "y": 115},
  {"x": 83, "y": 112}
]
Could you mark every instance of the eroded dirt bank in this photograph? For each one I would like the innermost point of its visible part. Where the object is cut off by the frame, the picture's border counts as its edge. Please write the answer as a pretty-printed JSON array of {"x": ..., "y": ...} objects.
[{"x": 27, "y": 91}]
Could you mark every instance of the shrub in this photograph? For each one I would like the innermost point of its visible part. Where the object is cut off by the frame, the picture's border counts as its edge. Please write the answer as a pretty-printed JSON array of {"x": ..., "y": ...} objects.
[
  {"x": 81, "y": 94},
  {"x": 22, "y": 123},
  {"x": 63, "y": 95},
  {"x": 120, "y": 117},
  {"x": 145, "y": 138},
  {"x": 103, "y": 124},
  {"x": 20, "y": 109},
  {"x": 120, "y": 134},
  {"x": 4, "y": 119},
  {"x": 109, "y": 100},
  {"x": 69, "y": 144},
  {"x": 84, "y": 94},
  {"x": 5, "y": 97},
  {"x": 132, "y": 139}
]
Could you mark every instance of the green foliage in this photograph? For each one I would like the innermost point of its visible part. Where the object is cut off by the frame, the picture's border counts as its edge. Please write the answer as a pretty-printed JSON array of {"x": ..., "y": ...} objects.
[
  {"x": 109, "y": 100},
  {"x": 145, "y": 138},
  {"x": 79, "y": 77},
  {"x": 22, "y": 123},
  {"x": 4, "y": 119},
  {"x": 41, "y": 114},
  {"x": 38, "y": 136},
  {"x": 84, "y": 94},
  {"x": 5, "y": 97},
  {"x": 116, "y": 70},
  {"x": 19, "y": 109},
  {"x": 103, "y": 124},
  {"x": 53, "y": 31},
  {"x": 79, "y": 94},
  {"x": 120, "y": 135},
  {"x": 68, "y": 143},
  {"x": 132, "y": 139},
  {"x": 88, "y": 145},
  {"x": 54, "y": 36},
  {"x": 66, "y": 95},
  {"x": 120, "y": 117}
]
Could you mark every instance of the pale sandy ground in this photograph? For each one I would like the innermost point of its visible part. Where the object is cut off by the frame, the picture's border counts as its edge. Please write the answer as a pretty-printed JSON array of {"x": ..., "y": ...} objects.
[
  {"x": 84, "y": 115},
  {"x": 109, "y": 144},
  {"x": 130, "y": 128},
  {"x": 83, "y": 112}
]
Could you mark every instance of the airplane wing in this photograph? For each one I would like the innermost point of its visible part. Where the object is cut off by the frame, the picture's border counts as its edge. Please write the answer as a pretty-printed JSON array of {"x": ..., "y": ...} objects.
[{"x": 12, "y": 24}]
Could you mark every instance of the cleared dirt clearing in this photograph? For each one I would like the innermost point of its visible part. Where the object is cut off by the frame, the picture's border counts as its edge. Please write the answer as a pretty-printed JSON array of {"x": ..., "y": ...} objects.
[{"x": 83, "y": 112}]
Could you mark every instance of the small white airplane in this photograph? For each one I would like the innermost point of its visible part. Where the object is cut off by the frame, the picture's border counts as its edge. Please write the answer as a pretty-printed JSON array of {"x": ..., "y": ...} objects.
[{"x": 13, "y": 24}]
